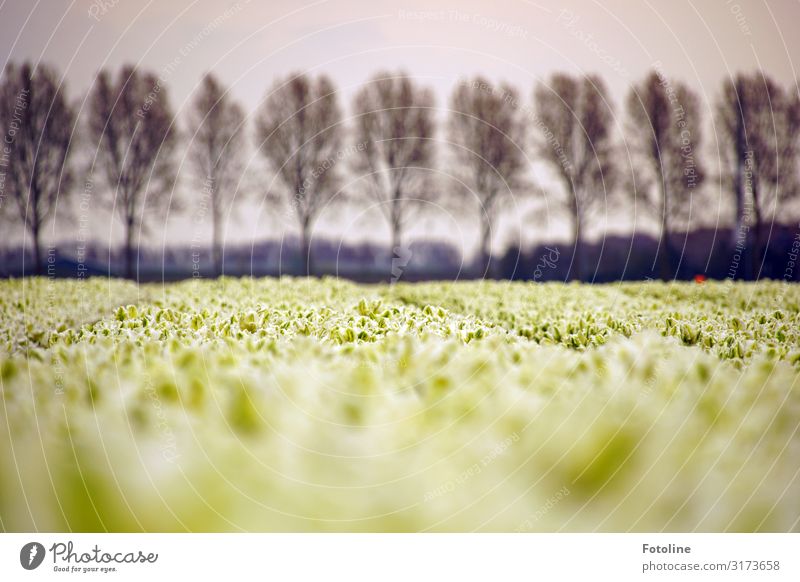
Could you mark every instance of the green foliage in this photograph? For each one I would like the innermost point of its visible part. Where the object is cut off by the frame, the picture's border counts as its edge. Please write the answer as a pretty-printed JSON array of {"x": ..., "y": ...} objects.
[{"x": 299, "y": 404}]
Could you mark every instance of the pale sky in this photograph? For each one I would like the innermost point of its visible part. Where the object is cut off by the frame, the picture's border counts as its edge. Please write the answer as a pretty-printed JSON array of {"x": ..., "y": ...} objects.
[{"x": 249, "y": 43}]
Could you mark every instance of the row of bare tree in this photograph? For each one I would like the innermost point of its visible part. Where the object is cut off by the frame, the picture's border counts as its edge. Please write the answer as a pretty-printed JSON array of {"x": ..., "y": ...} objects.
[{"x": 390, "y": 147}]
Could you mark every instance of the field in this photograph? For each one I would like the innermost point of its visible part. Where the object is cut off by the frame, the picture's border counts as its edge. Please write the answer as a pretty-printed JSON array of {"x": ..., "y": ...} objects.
[{"x": 322, "y": 405}]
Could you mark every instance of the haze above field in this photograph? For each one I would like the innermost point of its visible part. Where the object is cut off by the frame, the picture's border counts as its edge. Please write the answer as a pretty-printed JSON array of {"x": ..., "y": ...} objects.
[{"x": 249, "y": 44}]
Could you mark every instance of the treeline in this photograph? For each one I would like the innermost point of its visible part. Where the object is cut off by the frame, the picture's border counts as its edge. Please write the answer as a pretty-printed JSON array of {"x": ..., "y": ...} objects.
[{"x": 388, "y": 154}]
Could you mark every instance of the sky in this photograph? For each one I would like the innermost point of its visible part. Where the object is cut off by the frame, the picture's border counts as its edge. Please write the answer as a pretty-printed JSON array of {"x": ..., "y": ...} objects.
[{"x": 249, "y": 44}]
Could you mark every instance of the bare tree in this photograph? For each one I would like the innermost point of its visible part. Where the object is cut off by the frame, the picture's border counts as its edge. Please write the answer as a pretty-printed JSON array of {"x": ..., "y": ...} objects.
[
  {"x": 131, "y": 123},
  {"x": 487, "y": 130},
  {"x": 395, "y": 127},
  {"x": 760, "y": 123},
  {"x": 299, "y": 130},
  {"x": 37, "y": 124},
  {"x": 575, "y": 118},
  {"x": 216, "y": 152},
  {"x": 664, "y": 137}
]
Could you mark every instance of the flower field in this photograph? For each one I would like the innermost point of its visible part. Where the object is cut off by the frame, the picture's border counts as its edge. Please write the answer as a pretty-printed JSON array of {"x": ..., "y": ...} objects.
[{"x": 323, "y": 405}]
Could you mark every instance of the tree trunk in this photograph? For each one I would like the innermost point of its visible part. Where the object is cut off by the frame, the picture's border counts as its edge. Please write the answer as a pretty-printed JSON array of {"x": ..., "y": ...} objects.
[
  {"x": 738, "y": 186},
  {"x": 756, "y": 251},
  {"x": 739, "y": 179},
  {"x": 664, "y": 248},
  {"x": 305, "y": 247},
  {"x": 576, "y": 272},
  {"x": 129, "y": 248},
  {"x": 397, "y": 255},
  {"x": 486, "y": 244},
  {"x": 216, "y": 249},
  {"x": 37, "y": 251}
]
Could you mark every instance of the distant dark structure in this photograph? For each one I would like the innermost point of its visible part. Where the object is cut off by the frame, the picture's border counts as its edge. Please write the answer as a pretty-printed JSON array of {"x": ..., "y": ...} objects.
[
  {"x": 426, "y": 260},
  {"x": 702, "y": 252},
  {"x": 706, "y": 252}
]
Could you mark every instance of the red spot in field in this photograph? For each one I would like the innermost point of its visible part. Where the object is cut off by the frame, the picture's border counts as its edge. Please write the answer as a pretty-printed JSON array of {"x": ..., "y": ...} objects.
[{"x": 699, "y": 278}]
